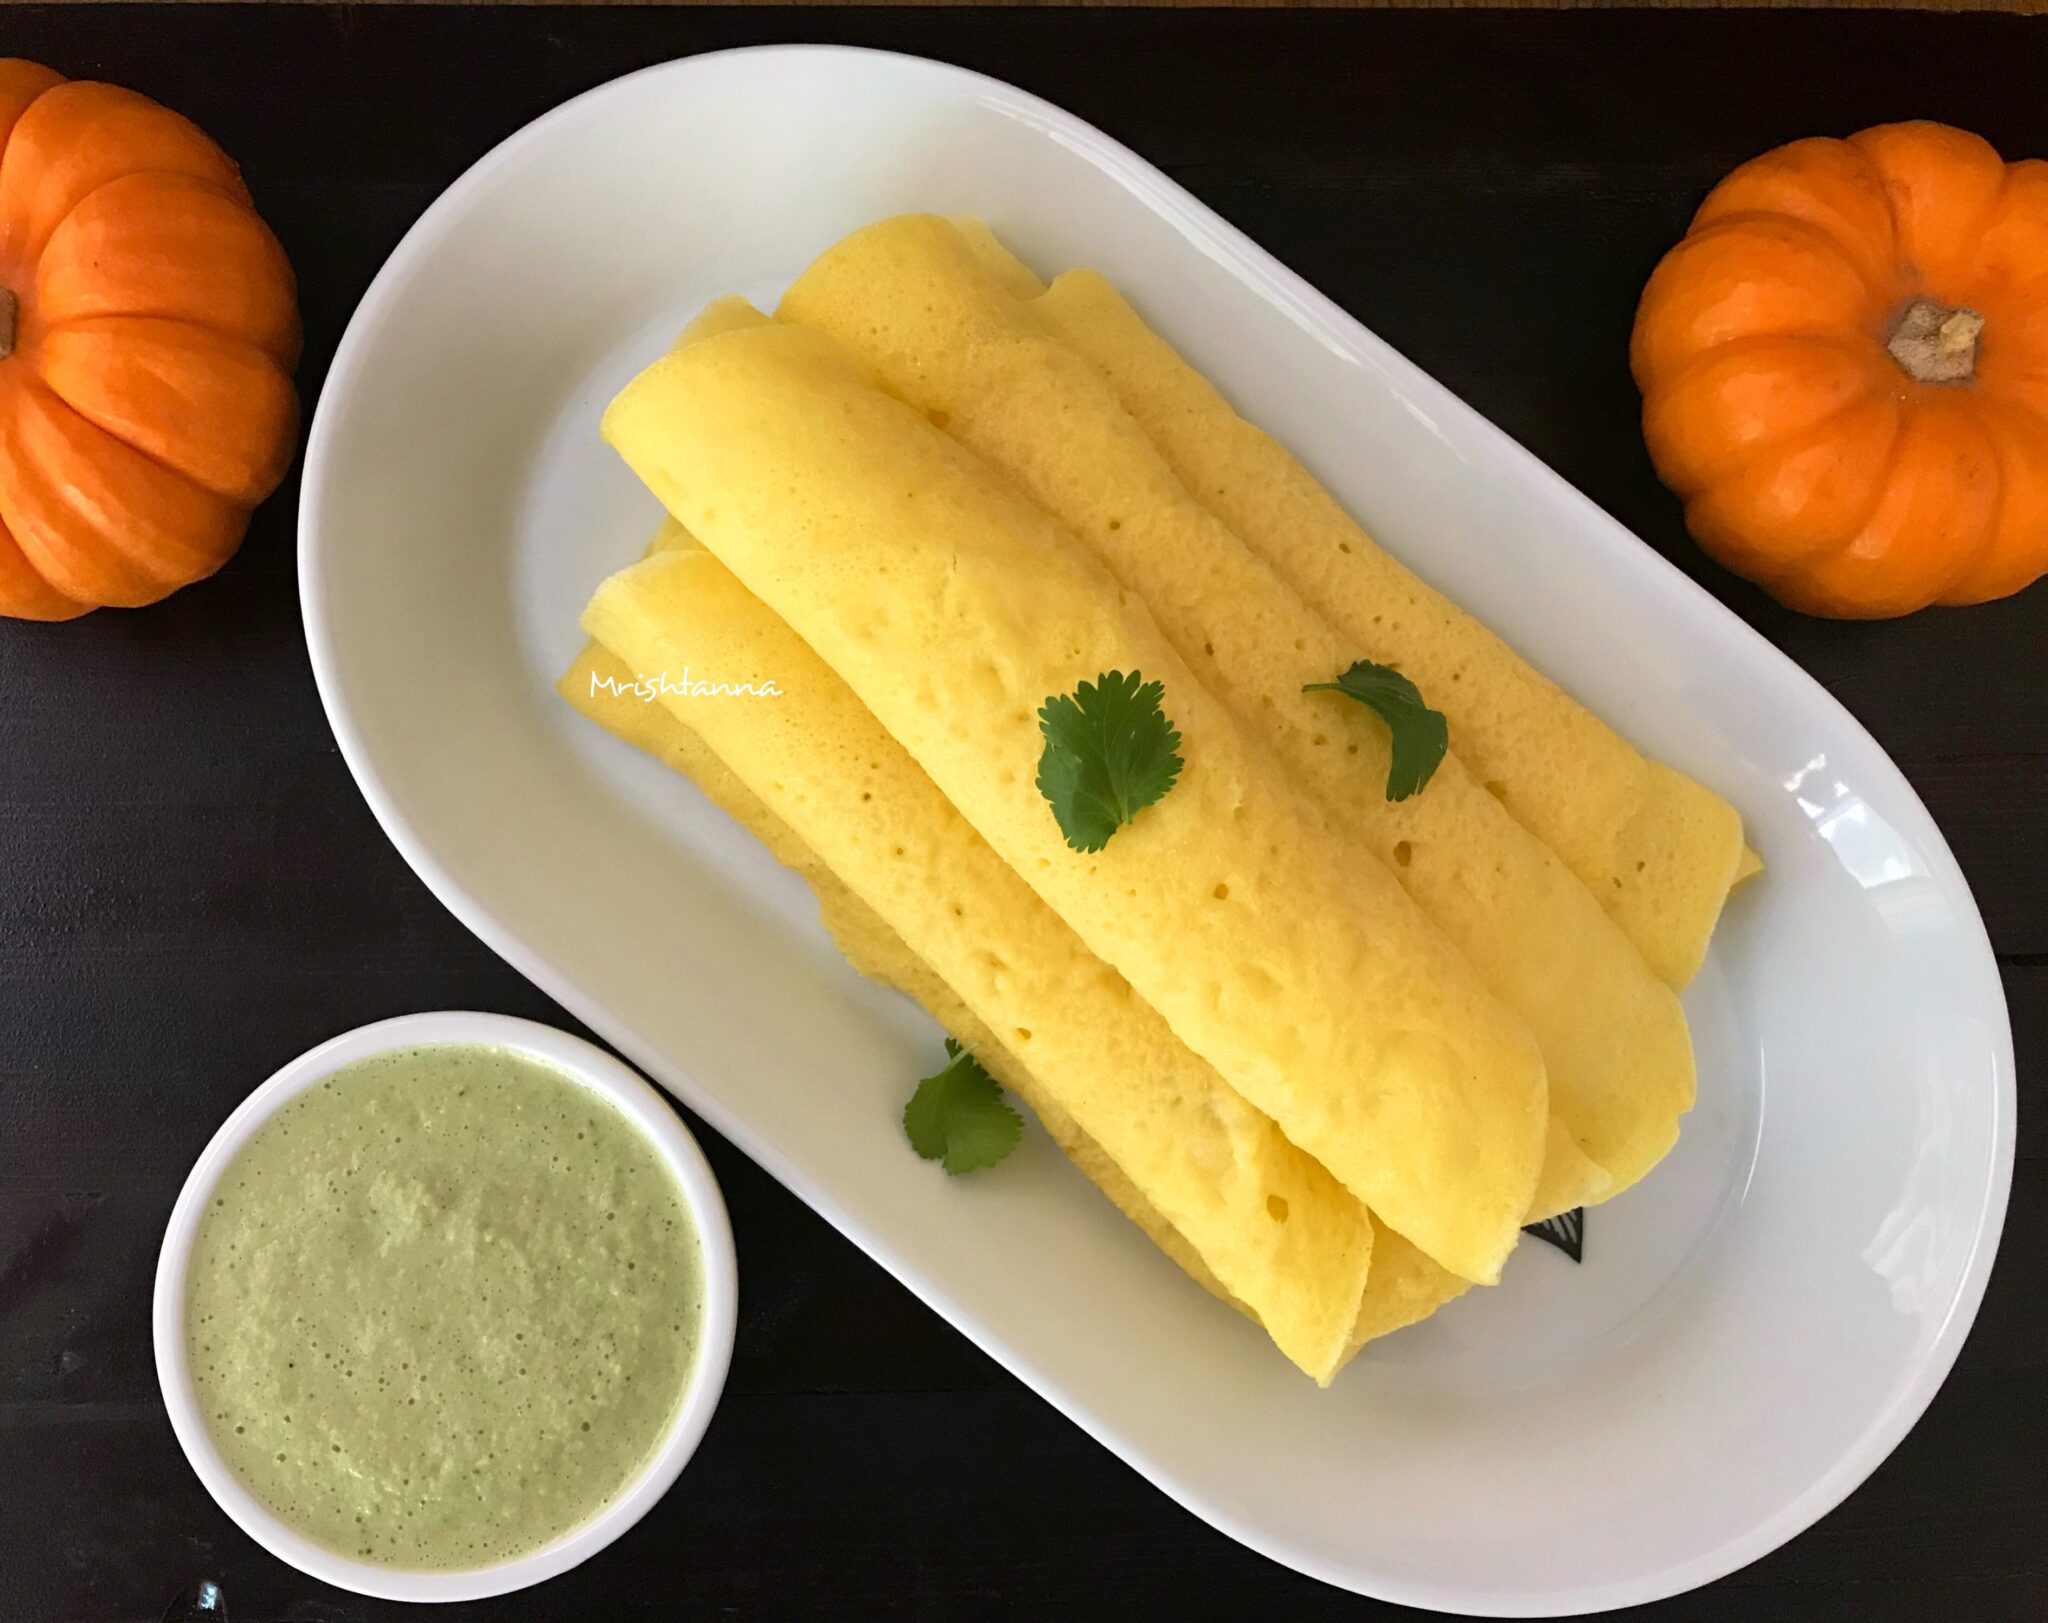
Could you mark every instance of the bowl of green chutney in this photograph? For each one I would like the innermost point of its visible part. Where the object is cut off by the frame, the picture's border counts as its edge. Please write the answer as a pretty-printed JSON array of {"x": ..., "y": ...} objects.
[{"x": 445, "y": 1307}]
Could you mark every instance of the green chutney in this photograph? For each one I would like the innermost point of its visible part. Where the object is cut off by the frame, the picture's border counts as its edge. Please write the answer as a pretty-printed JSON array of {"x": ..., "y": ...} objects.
[{"x": 443, "y": 1307}]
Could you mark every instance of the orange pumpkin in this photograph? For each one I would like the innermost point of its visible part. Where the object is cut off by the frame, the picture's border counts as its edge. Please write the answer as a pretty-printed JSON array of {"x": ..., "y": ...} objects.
[
  {"x": 1844, "y": 369},
  {"x": 148, "y": 331}
]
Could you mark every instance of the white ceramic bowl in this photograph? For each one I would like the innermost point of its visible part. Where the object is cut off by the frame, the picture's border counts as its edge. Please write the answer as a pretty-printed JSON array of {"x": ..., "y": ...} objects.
[
  {"x": 579, "y": 1062},
  {"x": 1755, "y": 1325}
]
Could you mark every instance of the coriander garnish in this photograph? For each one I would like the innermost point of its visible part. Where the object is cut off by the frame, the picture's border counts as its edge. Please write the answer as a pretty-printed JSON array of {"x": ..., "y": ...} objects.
[
  {"x": 1421, "y": 735},
  {"x": 1109, "y": 753},
  {"x": 958, "y": 1115}
]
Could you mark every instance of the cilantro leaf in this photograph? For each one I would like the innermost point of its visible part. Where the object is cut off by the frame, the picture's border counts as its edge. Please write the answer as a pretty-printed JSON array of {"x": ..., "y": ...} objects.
[
  {"x": 958, "y": 1115},
  {"x": 1421, "y": 735},
  {"x": 1109, "y": 753}
]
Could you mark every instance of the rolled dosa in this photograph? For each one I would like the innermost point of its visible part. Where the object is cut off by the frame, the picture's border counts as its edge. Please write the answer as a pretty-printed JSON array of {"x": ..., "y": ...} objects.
[
  {"x": 916, "y": 304},
  {"x": 868, "y": 943},
  {"x": 603, "y": 687},
  {"x": 1271, "y": 1225},
  {"x": 1656, "y": 849},
  {"x": 1101, "y": 325},
  {"x": 953, "y": 608},
  {"x": 1402, "y": 1287}
]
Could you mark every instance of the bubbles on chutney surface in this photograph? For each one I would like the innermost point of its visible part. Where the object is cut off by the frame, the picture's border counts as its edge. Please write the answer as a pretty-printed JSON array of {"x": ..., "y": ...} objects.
[{"x": 442, "y": 1307}]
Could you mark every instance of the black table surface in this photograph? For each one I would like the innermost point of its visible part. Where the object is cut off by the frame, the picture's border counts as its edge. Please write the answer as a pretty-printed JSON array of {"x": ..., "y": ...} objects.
[{"x": 192, "y": 891}]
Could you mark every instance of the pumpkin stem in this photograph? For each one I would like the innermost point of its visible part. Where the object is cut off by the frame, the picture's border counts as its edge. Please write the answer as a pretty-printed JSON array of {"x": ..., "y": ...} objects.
[
  {"x": 1934, "y": 343},
  {"x": 9, "y": 308}
]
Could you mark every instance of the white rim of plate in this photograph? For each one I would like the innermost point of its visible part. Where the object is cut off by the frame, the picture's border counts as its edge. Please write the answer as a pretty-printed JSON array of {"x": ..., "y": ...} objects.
[
  {"x": 578, "y": 1061},
  {"x": 1215, "y": 236}
]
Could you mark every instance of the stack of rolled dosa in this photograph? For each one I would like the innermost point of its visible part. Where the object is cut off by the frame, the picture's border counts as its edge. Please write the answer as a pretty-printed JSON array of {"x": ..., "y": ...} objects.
[{"x": 1331, "y": 1051}]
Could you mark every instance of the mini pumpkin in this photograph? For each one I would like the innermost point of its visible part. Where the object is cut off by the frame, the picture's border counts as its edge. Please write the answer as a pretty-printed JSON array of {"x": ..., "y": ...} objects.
[
  {"x": 1844, "y": 368},
  {"x": 148, "y": 331}
]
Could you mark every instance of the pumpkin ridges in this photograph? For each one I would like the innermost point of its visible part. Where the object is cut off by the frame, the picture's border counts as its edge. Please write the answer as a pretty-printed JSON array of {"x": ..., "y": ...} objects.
[
  {"x": 2017, "y": 554},
  {"x": 1933, "y": 483},
  {"x": 1805, "y": 497},
  {"x": 1744, "y": 276},
  {"x": 1738, "y": 399},
  {"x": 2012, "y": 359},
  {"x": 166, "y": 245},
  {"x": 2011, "y": 251},
  {"x": 1941, "y": 489},
  {"x": 78, "y": 136},
  {"x": 21, "y": 82},
  {"x": 214, "y": 409},
  {"x": 2015, "y": 341},
  {"x": 1943, "y": 184},
  {"x": 99, "y": 520},
  {"x": 24, "y": 594},
  {"x": 1829, "y": 185},
  {"x": 70, "y": 561},
  {"x": 149, "y": 293}
]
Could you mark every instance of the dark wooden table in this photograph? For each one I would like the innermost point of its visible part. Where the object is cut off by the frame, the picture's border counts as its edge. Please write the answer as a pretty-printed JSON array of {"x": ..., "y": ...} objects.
[{"x": 192, "y": 891}]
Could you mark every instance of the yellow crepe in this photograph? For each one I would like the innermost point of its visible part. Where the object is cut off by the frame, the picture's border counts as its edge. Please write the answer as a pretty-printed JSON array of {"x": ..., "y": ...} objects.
[
  {"x": 1004, "y": 266},
  {"x": 1092, "y": 317},
  {"x": 1655, "y": 848},
  {"x": 729, "y": 314},
  {"x": 911, "y": 300},
  {"x": 1273, "y": 1228},
  {"x": 1405, "y": 1288},
  {"x": 869, "y": 944},
  {"x": 1402, "y": 1287},
  {"x": 954, "y": 608},
  {"x": 600, "y": 685}
]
